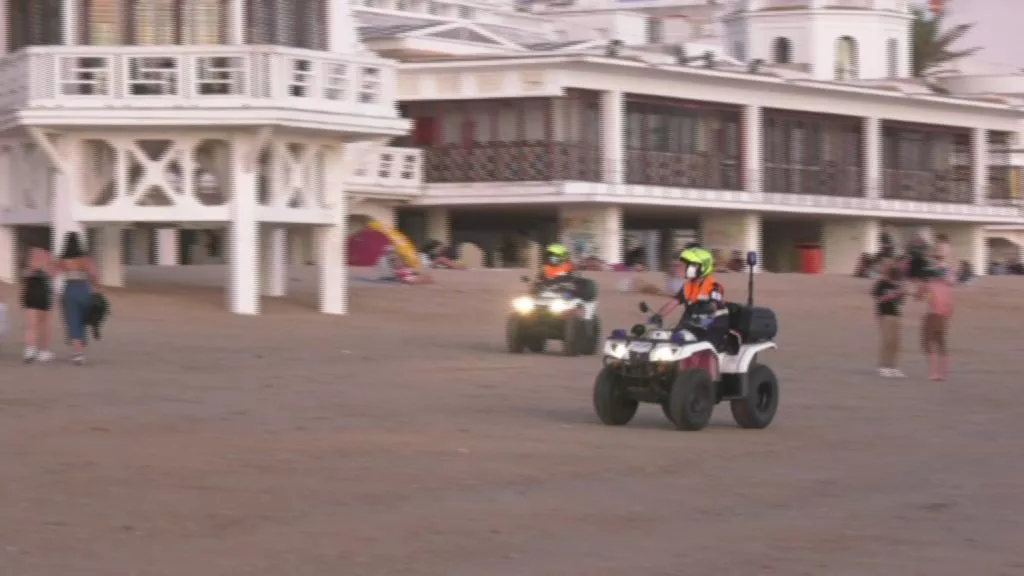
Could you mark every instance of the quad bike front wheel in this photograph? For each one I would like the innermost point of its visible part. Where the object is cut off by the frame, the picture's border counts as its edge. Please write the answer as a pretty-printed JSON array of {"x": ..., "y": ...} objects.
[
  {"x": 514, "y": 335},
  {"x": 757, "y": 408},
  {"x": 612, "y": 405},
  {"x": 573, "y": 332},
  {"x": 691, "y": 400}
]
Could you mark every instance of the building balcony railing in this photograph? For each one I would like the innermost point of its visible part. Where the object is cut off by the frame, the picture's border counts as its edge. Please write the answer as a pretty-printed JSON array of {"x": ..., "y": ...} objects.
[
  {"x": 518, "y": 161},
  {"x": 826, "y": 180},
  {"x": 102, "y": 77},
  {"x": 699, "y": 170},
  {"x": 1003, "y": 186},
  {"x": 389, "y": 169},
  {"x": 928, "y": 186}
]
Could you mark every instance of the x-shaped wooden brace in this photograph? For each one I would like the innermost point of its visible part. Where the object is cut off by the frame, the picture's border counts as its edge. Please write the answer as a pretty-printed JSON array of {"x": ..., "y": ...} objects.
[
  {"x": 154, "y": 172},
  {"x": 297, "y": 173}
]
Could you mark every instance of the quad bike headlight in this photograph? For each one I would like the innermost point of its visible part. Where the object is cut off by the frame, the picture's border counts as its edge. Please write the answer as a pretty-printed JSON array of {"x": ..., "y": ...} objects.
[
  {"x": 524, "y": 304},
  {"x": 663, "y": 354},
  {"x": 615, "y": 349},
  {"x": 559, "y": 306}
]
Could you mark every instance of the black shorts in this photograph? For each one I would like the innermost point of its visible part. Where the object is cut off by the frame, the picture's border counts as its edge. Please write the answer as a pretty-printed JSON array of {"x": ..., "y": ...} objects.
[{"x": 36, "y": 294}]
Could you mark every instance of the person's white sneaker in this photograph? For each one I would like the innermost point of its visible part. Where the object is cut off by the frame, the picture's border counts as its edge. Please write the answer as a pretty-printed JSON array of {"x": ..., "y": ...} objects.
[
  {"x": 30, "y": 354},
  {"x": 896, "y": 373},
  {"x": 78, "y": 359},
  {"x": 884, "y": 372},
  {"x": 45, "y": 356}
]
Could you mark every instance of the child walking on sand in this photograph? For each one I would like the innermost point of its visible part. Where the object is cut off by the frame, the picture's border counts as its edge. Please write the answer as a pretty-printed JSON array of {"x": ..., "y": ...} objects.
[
  {"x": 938, "y": 292},
  {"x": 889, "y": 294}
]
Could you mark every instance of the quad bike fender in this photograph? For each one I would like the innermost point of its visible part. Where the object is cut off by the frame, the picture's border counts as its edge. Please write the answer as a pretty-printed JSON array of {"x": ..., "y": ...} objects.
[
  {"x": 740, "y": 363},
  {"x": 686, "y": 351}
]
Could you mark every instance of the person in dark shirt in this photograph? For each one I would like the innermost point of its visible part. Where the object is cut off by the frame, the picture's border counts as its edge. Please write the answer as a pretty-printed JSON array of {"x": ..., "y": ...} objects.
[{"x": 888, "y": 294}]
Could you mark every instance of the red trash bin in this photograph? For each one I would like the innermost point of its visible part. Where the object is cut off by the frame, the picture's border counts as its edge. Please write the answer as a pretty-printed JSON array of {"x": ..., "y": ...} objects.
[{"x": 811, "y": 258}]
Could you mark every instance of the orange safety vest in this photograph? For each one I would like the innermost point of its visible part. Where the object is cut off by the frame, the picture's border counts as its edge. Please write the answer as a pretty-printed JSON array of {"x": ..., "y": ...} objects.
[
  {"x": 701, "y": 289},
  {"x": 552, "y": 271}
]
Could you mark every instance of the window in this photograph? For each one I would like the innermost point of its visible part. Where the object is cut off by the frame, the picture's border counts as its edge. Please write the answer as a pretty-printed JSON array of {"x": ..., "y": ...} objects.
[
  {"x": 782, "y": 51},
  {"x": 892, "y": 54},
  {"x": 739, "y": 51},
  {"x": 34, "y": 23},
  {"x": 466, "y": 13},
  {"x": 655, "y": 30},
  {"x": 846, "y": 59},
  {"x": 296, "y": 23}
]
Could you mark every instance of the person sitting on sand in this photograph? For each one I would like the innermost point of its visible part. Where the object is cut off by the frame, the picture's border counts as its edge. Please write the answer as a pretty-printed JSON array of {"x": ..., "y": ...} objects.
[
  {"x": 436, "y": 255},
  {"x": 390, "y": 268}
]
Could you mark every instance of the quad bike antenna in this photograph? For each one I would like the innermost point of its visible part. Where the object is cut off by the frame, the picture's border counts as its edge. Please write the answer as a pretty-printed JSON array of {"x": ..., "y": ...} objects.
[{"x": 751, "y": 263}]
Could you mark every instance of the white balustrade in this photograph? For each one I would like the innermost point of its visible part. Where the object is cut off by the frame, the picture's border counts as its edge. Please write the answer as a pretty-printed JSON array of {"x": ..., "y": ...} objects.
[
  {"x": 397, "y": 170},
  {"x": 195, "y": 76}
]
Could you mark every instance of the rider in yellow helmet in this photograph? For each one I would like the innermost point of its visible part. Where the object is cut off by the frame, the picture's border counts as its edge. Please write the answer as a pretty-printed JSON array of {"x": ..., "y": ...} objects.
[
  {"x": 705, "y": 313},
  {"x": 557, "y": 262}
]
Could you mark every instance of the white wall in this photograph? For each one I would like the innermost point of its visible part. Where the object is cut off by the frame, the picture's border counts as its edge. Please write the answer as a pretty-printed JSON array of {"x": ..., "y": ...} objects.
[
  {"x": 629, "y": 27},
  {"x": 814, "y": 37}
]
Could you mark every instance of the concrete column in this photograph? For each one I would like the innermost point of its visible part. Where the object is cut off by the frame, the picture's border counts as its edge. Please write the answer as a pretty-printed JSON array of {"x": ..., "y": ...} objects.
[
  {"x": 168, "y": 247},
  {"x": 274, "y": 254},
  {"x": 242, "y": 238},
  {"x": 845, "y": 240},
  {"x": 332, "y": 257},
  {"x": 236, "y": 20},
  {"x": 652, "y": 247},
  {"x": 341, "y": 32},
  {"x": 613, "y": 136},
  {"x": 110, "y": 258},
  {"x": 593, "y": 231},
  {"x": 980, "y": 160},
  {"x": 8, "y": 254},
  {"x": 67, "y": 185},
  {"x": 69, "y": 11},
  {"x": 873, "y": 175},
  {"x": 728, "y": 231},
  {"x": 439, "y": 226},
  {"x": 753, "y": 151},
  {"x": 611, "y": 235}
]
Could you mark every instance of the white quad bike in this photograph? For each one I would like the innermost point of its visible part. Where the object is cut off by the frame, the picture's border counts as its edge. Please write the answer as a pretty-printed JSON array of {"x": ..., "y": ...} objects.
[
  {"x": 687, "y": 376},
  {"x": 552, "y": 314}
]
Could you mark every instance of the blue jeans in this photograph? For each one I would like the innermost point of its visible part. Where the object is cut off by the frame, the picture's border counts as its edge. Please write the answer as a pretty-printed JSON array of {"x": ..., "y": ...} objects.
[{"x": 75, "y": 303}]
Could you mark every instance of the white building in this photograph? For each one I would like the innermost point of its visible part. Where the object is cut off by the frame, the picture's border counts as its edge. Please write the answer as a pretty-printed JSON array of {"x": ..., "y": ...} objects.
[{"x": 763, "y": 124}]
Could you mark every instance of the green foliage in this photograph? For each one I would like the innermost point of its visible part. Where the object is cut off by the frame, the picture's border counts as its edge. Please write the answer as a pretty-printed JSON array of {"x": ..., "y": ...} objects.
[{"x": 933, "y": 45}]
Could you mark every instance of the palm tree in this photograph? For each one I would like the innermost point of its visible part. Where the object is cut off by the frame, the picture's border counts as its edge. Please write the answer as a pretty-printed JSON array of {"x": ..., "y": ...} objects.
[{"x": 933, "y": 45}]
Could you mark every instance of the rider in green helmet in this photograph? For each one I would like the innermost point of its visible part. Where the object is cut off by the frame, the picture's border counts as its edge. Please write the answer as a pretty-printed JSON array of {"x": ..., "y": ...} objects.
[{"x": 705, "y": 313}]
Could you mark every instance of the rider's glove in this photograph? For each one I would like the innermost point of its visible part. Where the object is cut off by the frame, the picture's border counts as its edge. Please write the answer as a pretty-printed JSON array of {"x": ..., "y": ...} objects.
[{"x": 655, "y": 319}]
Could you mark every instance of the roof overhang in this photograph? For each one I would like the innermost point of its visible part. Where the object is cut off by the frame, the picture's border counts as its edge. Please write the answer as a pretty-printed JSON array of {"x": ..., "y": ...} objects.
[{"x": 432, "y": 46}]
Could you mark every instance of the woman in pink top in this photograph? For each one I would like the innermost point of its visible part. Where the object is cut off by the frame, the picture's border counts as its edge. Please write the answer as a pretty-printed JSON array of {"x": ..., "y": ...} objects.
[{"x": 938, "y": 291}]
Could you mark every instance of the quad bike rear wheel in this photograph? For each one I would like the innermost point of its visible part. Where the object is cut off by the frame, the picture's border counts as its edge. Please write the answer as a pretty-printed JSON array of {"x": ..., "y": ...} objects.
[
  {"x": 691, "y": 400},
  {"x": 612, "y": 405},
  {"x": 756, "y": 410},
  {"x": 593, "y": 338}
]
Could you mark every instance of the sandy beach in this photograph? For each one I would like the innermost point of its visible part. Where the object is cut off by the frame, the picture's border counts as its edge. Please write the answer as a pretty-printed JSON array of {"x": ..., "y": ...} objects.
[{"x": 403, "y": 440}]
